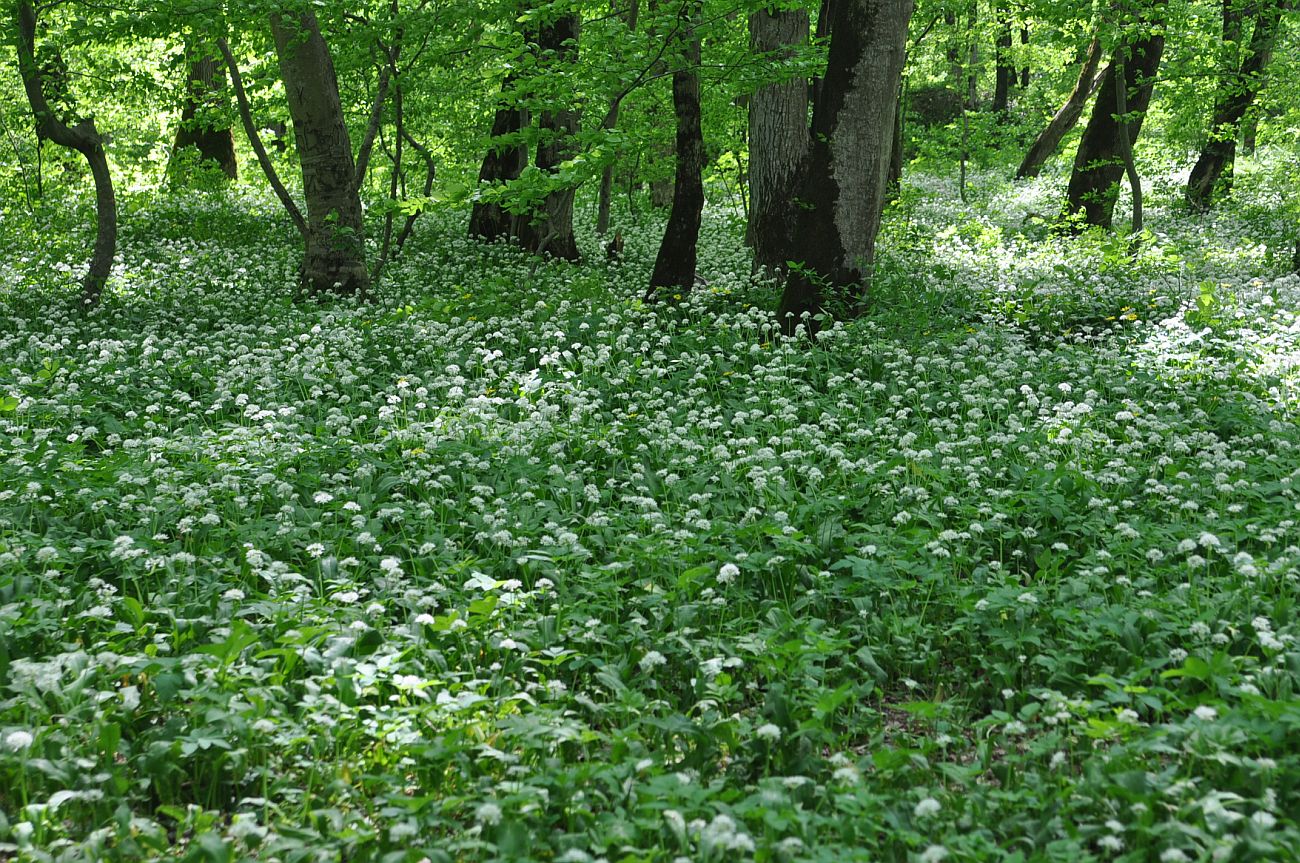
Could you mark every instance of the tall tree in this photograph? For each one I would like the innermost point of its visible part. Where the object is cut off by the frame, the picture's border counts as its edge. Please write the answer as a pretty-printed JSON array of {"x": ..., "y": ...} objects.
[
  {"x": 335, "y": 258},
  {"x": 507, "y": 156},
  {"x": 675, "y": 263},
  {"x": 843, "y": 180},
  {"x": 82, "y": 136},
  {"x": 1048, "y": 140},
  {"x": 203, "y": 124},
  {"x": 1099, "y": 162},
  {"x": 1004, "y": 71},
  {"x": 1237, "y": 91},
  {"x": 778, "y": 135},
  {"x": 549, "y": 228},
  {"x": 606, "y": 194}
]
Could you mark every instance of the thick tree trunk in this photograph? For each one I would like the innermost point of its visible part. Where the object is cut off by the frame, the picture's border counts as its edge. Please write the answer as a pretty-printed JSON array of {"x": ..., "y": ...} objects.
[
  {"x": 83, "y": 137},
  {"x": 549, "y": 230},
  {"x": 778, "y": 137},
  {"x": 675, "y": 263},
  {"x": 843, "y": 181},
  {"x": 1004, "y": 72},
  {"x": 205, "y": 101},
  {"x": 1098, "y": 164},
  {"x": 1237, "y": 92},
  {"x": 1047, "y": 142},
  {"x": 335, "y": 258},
  {"x": 506, "y": 158}
]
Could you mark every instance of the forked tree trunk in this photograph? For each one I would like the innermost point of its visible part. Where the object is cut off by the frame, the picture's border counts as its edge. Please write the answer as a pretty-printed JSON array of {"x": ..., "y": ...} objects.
[
  {"x": 549, "y": 230},
  {"x": 1047, "y": 142},
  {"x": 843, "y": 181},
  {"x": 335, "y": 257},
  {"x": 1098, "y": 164},
  {"x": 675, "y": 263},
  {"x": 778, "y": 136},
  {"x": 506, "y": 158},
  {"x": 204, "y": 103},
  {"x": 1237, "y": 93},
  {"x": 83, "y": 137}
]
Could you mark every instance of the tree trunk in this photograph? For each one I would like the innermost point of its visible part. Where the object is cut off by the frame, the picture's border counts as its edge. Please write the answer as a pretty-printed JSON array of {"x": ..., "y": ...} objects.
[
  {"x": 1047, "y": 142},
  {"x": 843, "y": 180},
  {"x": 894, "y": 179},
  {"x": 675, "y": 263},
  {"x": 335, "y": 258},
  {"x": 1126, "y": 144},
  {"x": 549, "y": 230},
  {"x": 1098, "y": 164},
  {"x": 1004, "y": 72},
  {"x": 203, "y": 125},
  {"x": 83, "y": 137},
  {"x": 1024, "y": 70},
  {"x": 778, "y": 136},
  {"x": 606, "y": 196},
  {"x": 1237, "y": 92},
  {"x": 506, "y": 158}
]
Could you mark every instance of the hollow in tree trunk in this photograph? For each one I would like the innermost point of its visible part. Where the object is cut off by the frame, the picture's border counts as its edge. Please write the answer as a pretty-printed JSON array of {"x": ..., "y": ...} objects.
[
  {"x": 1047, "y": 142},
  {"x": 81, "y": 136},
  {"x": 1099, "y": 164},
  {"x": 335, "y": 258},
  {"x": 549, "y": 229},
  {"x": 843, "y": 180},
  {"x": 1237, "y": 93},
  {"x": 675, "y": 263},
  {"x": 778, "y": 136},
  {"x": 203, "y": 125}
]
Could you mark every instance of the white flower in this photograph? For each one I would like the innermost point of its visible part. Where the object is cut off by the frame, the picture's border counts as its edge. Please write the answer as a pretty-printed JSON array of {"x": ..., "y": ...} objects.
[
  {"x": 1206, "y": 712},
  {"x": 322, "y": 497},
  {"x": 488, "y": 813},
  {"x": 927, "y": 807},
  {"x": 933, "y": 854},
  {"x": 652, "y": 659},
  {"x": 768, "y": 731},
  {"x": 17, "y": 741},
  {"x": 1174, "y": 855},
  {"x": 1111, "y": 843},
  {"x": 728, "y": 573}
]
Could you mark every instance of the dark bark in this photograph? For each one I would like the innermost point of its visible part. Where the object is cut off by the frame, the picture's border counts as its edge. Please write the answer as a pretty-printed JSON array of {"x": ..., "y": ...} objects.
[
  {"x": 335, "y": 257},
  {"x": 1126, "y": 146},
  {"x": 1237, "y": 92},
  {"x": 843, "y": 180},
  {"x": 675, "y": 263},
  {"x": 1003, "y": 72},
  {"x": 894, "y": 179},
  {"x": 1024, "y": 70},
  {"x": 507, "y": 156},
  {"x": 81, "y": 136},
  {"x": 202, "y": 115},
  {"x": 1098, "y": 164},
  {"x": 549, "y": 229},
  {"x": 778, "y": 137},
  {"x": 1047, "y": 142}
]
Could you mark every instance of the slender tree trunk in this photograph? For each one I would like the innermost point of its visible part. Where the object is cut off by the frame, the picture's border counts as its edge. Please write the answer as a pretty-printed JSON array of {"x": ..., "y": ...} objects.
[
  {"x": 335, "y": 258},
  {"x": 1047, "y": 142},
  {"x": 843, "y": 181},
  {"x": 1126, "y": 144},
  {"x": 1237, "y": 93},
  {"x": 894, "y": 180},
  {"x": 83, "y": 137},
  {"x": 1004, "y": 71},
  {"x": 606, "y": 196},
  {"x": 675, "y": 263},
  {"x": 1024, "y": 70},
  {"x": 778, "y": 137},
  {"x": 205, "y": 102},
  {"x": 549, "y": 230},
  {"x": 1098, "y": 164}
]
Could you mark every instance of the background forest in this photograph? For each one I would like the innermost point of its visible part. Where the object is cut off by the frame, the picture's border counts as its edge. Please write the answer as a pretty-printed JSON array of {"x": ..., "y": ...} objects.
[{"x": 654, "y": 430}]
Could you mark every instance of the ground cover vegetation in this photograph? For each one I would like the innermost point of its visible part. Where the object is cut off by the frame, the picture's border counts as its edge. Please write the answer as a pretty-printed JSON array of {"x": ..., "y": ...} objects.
[{"x": 426, "y": 471}]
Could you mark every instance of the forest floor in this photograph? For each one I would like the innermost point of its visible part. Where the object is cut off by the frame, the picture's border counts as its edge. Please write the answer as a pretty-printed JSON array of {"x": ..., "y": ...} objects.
[{"x": 504, "y": 565}]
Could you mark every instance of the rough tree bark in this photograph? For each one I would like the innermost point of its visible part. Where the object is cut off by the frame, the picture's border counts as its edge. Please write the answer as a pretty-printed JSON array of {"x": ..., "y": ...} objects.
[
  {"x": 1004, "y": 72},
  {"x": 549, "y": 230},
  {"x": 675, "y": 263},
  {"x": 81, "y": 136},
  {"x": 778, "y": 137},
  {"x": 843, "y": 180},
  {"x": 1047, "y": 142},
  {"x": 335, "y": 257},
  {"x": 507, "y": 156},
  {"x": 205, "y": 99},
  {"x": 1237, "y": 92},
  {"x": 1098, "y": 164}
]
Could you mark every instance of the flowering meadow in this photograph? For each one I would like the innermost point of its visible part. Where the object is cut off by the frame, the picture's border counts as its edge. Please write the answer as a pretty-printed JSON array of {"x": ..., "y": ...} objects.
[{"x": 502, "y": 564}]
